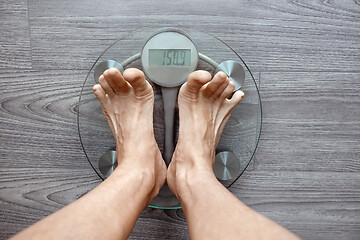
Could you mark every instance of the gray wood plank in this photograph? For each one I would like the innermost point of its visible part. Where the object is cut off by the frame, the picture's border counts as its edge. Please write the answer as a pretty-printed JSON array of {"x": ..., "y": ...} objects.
[
  {"x": 161, "y": 224},
  {"x": 38, "y": 119},
  {"x": 270, "y": 36},
  {"x": 314, "y": 205},
  {"x": 311, "y": 122},
  {"x": 15, "y": 51}
]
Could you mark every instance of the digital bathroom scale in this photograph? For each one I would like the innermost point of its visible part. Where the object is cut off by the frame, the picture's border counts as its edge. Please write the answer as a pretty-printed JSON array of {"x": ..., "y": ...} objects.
[{"x": 167, "y": 56}]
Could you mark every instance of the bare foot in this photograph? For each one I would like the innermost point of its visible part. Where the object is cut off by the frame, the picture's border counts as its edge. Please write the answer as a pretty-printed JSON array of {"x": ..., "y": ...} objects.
[
  {"x": 127, "y": 101},
  {"x": 203, "y": 111}
]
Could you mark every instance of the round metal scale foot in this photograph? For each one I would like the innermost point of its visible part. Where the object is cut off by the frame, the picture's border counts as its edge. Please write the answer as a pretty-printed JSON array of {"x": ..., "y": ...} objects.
[
  {"x": 101, "y": 67},
  {"x": 235, "y": 72},
  {"x": 107, "y": 163},
  {"x": 226, "y": 165}
]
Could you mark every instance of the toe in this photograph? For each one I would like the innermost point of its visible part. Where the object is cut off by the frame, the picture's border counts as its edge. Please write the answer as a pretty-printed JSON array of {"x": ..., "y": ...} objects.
[
  {"x": 100, "y": 94},
  {"x": 105, "y": 86},
  {"x": 116, "y": 81},
  {"x": 221, "y": 127},
  {"x": 227, "y": 91},
  {"x": 137, "y": 80},
  {"x": 215, "y": 84},
  {"x": 229, "y": 104},
  {"x": 195, "y": 81},
  {"x": 221, "y": 88},
  {"x": 236, "y": 99}
]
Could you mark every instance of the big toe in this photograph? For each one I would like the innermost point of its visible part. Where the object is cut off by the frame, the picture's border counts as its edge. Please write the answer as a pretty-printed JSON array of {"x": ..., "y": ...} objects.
[
  {"x": 137, "y": 80},
  {"x": 195, "y": 81},
  {"x": 100, "y": 94}
]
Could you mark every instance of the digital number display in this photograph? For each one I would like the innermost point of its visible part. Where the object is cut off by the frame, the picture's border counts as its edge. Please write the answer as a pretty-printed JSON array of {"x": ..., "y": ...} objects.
[{"x": 169, "y": 57}]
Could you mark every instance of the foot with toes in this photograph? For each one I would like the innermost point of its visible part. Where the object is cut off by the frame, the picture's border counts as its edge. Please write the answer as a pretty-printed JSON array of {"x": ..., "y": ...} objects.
[
  {"x": 127, "y": 101},
  {"x": 204, "y": 109}
]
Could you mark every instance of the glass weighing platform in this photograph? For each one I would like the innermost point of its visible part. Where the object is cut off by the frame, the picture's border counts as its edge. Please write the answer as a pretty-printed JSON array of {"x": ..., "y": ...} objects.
[{"x": 167, "y": 56}]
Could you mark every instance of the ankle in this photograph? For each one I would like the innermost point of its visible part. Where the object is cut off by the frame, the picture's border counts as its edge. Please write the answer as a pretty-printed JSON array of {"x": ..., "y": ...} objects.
[
  {"x": 189, "y": 181},
  {"x": 142, "y": 180}
]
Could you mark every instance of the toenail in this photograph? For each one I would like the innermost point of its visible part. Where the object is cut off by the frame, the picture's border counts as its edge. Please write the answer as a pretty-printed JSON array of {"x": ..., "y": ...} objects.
[
  {"x": 111, "y": 71},
  {"x": 222, "y": 75}
]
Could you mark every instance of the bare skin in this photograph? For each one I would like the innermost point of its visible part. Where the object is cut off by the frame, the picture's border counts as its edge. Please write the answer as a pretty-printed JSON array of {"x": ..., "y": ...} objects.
[
  {"x": 211, "y": 210},
  {"x": 110, "y": 210},
  {"x": 128, "y": 102}
]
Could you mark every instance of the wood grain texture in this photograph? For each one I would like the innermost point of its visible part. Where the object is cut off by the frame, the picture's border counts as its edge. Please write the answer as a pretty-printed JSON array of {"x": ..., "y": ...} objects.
[
  {"x": 290, "y": 35},
  {"x": 306, "y": 173},
  {"x": 315, "y": 205},
  {"x": 15, "y": 51},
  {"x": 42, "y": 107},
  {"x": 311, "y": 122}
]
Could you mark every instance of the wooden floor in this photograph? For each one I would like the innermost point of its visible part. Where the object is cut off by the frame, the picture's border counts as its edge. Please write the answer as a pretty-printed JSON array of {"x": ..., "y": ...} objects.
[{"x": 306, "y": 54}]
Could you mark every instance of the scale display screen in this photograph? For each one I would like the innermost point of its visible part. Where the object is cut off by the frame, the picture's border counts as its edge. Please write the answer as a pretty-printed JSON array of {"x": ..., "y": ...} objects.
[{"x": 169, "y": 57}]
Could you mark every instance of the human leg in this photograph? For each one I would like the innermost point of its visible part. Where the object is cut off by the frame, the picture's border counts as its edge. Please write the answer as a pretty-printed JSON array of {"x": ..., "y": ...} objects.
[
  {"x": 211, "y": 210},
  {"x": 110, "y": 210}
]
